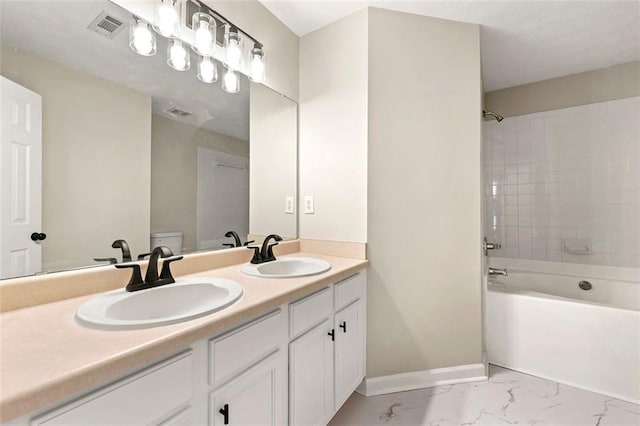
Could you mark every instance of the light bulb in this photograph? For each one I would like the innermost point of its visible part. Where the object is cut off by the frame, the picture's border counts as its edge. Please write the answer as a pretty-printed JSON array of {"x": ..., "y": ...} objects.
[
  {"x": 167, "y": 18},
  {"x": 178, "y": 56},
  {"x": 205, "y": 33},
  {"x": 233, "y": 54},
  {"x": 230, "y": 82},
  {"x": 203, "y": 38},
  {"x": 233, "y": 46},
  {"x": 256, "y": 66},
  {"x": 207, "y": 71},
  {"x": 141, "y": 39}
]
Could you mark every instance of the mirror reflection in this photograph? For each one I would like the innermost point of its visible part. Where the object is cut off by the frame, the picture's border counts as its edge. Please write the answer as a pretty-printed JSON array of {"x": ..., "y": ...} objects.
[{"x": 106, "y": 153}]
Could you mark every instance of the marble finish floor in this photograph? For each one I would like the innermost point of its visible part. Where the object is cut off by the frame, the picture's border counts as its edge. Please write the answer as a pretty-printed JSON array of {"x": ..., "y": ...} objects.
[{"x": 508, "y": 398}]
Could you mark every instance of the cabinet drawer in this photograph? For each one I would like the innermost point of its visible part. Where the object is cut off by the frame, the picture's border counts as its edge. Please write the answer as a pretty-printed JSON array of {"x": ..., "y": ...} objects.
[
  {"x": 310, "y": 311},
  {"x": 183, "y": 418},
  {"x": 141, "y": 399},
  {"x": 233, "y": 353},
  {"x": 349, "y": 290}
]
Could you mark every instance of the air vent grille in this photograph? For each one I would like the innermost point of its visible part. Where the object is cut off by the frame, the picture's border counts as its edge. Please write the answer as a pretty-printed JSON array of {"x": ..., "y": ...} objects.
[
  {"x": 178, "y": 112},
  {"x": 107, "y": 25}
]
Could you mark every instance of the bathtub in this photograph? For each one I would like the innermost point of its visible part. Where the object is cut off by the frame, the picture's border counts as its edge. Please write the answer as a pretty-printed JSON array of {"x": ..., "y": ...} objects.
[{"x": 539, "y": 321}]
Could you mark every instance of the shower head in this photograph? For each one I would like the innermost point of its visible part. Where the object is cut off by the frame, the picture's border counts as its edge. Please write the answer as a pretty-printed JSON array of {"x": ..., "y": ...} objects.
[{"x": 498, "y": 117}]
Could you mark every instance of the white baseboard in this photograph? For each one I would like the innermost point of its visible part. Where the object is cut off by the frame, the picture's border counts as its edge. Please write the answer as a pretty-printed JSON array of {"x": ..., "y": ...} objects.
[{"x": 423, "y": 379}]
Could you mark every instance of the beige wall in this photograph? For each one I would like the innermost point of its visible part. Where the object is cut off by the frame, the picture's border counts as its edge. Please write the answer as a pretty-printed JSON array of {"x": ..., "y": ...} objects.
[
  {"x": 424, "y": 232},
  {"x": 333, "y": 130},
  {"x": 96, "y": 168},
  {"x": 274, "y": 159},
  {"x": 174, "y": 173},
  {"x": 617, "y": 82}
]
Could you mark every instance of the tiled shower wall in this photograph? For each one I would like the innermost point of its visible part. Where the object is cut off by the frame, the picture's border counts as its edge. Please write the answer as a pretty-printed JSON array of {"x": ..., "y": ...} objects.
[{"x": 564, "y": 185}]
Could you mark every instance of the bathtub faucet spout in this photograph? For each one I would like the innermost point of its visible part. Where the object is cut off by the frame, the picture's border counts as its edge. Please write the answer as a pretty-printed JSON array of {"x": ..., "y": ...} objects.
[{"x": 497, "y": 271}]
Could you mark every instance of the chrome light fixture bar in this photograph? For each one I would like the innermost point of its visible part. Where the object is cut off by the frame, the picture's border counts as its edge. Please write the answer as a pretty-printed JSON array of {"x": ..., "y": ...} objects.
[{"x": 213, "y": 38}]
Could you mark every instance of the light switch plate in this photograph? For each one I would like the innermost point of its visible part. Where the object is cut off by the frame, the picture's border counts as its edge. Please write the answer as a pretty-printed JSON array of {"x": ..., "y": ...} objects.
[
  {"x": 289, "y": 205},
  {"x": 308, "y": 204}
]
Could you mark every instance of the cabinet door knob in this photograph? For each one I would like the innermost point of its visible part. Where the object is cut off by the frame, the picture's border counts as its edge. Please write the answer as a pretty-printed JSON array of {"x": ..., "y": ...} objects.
[
  {"x": 225, "y": 412},
  {"x": 332, "y": 333},
  {"x": 343, "y": 326}
]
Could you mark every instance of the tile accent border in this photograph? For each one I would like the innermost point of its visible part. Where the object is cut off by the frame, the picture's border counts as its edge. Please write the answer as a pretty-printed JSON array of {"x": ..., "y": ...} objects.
[{"x": 423, "y": 379}]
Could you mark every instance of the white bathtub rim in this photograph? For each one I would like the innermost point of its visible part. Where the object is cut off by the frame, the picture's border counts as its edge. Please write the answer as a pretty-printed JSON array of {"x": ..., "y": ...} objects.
[
  {"x": 577, "y": 277},
  {"x": 531, "y": 294},
  {"x": 567, "y": 383},
  {"x": 580, "y": 270}
]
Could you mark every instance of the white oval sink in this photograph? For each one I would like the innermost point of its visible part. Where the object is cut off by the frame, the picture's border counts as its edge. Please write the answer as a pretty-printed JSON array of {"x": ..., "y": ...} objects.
[
  {"x": 186, "y": 299},
  {"x": 287, "y": 267}
]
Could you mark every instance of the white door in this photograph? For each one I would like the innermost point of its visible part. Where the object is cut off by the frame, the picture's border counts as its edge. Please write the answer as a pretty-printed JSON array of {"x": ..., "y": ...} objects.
[
  {"x": 21, "y": 180},
  {"x": 349, "y": 351},
  {"x": 311, "y": 377},
  {"x": 257, "y": 397}
]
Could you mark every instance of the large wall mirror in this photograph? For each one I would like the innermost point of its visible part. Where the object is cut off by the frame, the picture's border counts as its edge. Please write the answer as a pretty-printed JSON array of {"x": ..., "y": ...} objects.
[{"x": 129, "y": 148}]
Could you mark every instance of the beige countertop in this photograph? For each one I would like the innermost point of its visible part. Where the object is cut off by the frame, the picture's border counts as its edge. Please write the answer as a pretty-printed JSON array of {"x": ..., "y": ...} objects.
[{"x": 47, "y": 357}]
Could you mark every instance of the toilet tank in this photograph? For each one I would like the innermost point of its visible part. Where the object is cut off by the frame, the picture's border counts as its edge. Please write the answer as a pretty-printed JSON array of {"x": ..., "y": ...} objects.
[{"x": 172, "y": 240}]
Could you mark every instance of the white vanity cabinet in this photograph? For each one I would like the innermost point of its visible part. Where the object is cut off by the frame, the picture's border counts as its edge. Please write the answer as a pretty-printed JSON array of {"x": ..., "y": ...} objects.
[
  {"x": 295, "y": 365},
  {"x": 349, "y": 351},
  {"x": 327, "y": 361},
  {"x": 147, "y": 397},
  {"x": 248, "y": 370},
  {"x": 256, "y": 397}
]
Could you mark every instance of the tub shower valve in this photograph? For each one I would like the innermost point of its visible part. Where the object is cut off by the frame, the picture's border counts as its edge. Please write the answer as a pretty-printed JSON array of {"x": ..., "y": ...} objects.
[{"x": 486, "y": 246}]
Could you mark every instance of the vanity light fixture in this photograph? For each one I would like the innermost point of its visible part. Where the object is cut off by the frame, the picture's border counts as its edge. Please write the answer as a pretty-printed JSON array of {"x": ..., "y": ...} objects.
[
  {"x": 207, "y": 70},
  {"x": 256, "y": 64},
  {"x": 171, "y": 16},
  {"x": 178, "y": 56},
  {"x": 230, "y": 81},
  {"x": 233, "y": 45},
  {"x": 141, "y": 39},
  {"x": 166, "y": 18},
  {"x": 205, "y": 33}
]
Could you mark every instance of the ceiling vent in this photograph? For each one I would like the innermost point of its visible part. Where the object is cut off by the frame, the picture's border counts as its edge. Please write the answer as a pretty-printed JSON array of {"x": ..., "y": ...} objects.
[
  {"x": 178, "y": 112},
  {"x": 106, "y": 25}
]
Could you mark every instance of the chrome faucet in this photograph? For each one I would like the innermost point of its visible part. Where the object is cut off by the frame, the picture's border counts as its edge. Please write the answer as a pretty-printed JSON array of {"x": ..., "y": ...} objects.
[
  {"x": 486, "y": 246},
  {"x": 498, "y": 271}
]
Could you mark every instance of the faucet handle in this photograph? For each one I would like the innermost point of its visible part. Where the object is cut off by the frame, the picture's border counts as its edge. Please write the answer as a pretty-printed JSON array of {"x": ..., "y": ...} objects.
[
  {"x": 257, "y": 257},
  {"x": 111, "y": 260},
  {"x": 165, "y": 274},
  {"x": 136, "y": 275}
]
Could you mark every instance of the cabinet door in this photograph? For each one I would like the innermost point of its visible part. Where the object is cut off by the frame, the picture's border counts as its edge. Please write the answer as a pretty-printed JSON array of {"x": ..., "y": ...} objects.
[
  {"x": 311, "y": 377},
  {"x": 140, "y": 399},
  {"x": 257, "y": 397},
  {"x": 349, "y": 351}
]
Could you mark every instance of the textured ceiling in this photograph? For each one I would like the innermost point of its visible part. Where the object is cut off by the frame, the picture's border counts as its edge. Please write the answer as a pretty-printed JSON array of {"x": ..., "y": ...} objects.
[
  {"x": 57, "y": 30},
  {"x": 521, "y": 41}
]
